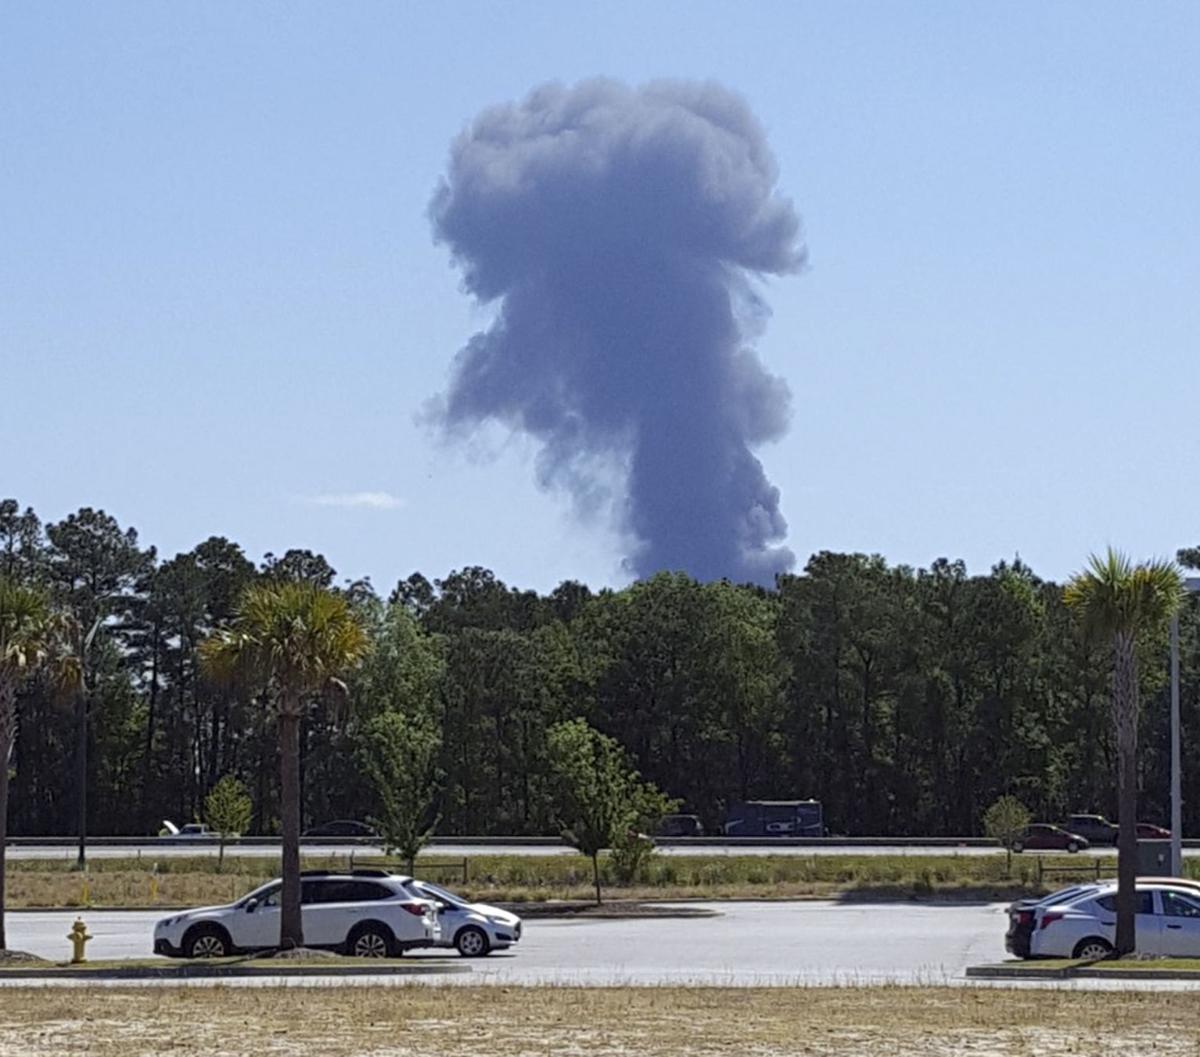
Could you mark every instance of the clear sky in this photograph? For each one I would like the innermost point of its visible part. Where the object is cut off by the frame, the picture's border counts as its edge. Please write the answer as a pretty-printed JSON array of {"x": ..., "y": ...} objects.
[{"x": 221, "y": 308}]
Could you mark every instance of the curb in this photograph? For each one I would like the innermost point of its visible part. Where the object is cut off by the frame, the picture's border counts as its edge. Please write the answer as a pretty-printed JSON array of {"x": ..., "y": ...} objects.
[
  {"x": 1082, "y": 971},
  {"x": 192, "y": 972}
]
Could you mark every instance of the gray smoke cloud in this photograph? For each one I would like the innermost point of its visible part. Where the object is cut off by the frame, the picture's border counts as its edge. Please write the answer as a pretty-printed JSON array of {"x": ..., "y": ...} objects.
[{"x": 619, "y": 230}]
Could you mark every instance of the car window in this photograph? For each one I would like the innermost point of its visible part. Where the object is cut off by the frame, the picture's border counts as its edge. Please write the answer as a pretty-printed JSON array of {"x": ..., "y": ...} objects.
[
  {"x": 365, "y": 891},
  {"x": 1179, "y": 906},
  {"x": 1145, "y": 903},
  {"x": 270, "y": 898},
  {"x": 312, "y": 892},
  {"x": 432, "y": 891}
]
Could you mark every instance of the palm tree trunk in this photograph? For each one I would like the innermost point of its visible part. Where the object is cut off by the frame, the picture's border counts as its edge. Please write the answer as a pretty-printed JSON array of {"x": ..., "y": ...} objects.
[
  {"x": 291, "y": 931},
  {"x": 1125, "y": 715},
  {"x": 596, "y": 874},
  {"x": 8, "y": 730}
]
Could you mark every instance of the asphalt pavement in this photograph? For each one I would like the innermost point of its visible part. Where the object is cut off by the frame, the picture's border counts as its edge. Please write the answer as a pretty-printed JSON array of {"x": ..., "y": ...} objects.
[{"x": 763, "y": 943}]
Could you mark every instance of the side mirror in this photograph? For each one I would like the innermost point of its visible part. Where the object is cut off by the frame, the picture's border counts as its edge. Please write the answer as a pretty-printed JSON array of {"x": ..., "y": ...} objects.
[{"x": 251, "y": 906}]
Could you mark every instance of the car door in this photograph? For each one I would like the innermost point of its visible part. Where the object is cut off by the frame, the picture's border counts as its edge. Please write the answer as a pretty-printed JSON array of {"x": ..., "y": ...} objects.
[
  {"x": 1147, "y": 923},
  {"x": 1180, "y": 925},
  {"x": 257, "y": 926},
  {"x": 322, "y": 907}
]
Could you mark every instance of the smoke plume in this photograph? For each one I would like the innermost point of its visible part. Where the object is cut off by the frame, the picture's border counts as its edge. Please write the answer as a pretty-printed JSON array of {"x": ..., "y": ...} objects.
[{"x": 619, "y": 229}]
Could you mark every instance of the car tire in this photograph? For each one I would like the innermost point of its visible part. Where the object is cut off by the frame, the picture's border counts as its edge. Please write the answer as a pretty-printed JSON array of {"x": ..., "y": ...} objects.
[
  {"x": 206, "y": 941},
  {"x": 1018, "y": 846},
  {"x": 371, "y": 940},
  {"x": 472, "y": 942},
  {"x": 1072, "y": 846},
  {"x": 1093, "y": 948}
]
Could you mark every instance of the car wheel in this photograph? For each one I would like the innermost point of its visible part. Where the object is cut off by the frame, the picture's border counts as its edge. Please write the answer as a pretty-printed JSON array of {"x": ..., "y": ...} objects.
[
  {"x": 472, "y": 942},
  {"x": 1072, "y": 847},
  {"x": 1093, "y": 948},
  {"x": 207, "y": 941},
  {"x": 1018, "y": 846},
  {"x": 369, "y": 941}
]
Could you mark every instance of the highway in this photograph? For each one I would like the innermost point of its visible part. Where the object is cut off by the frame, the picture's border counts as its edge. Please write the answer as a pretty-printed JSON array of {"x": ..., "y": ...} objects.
[{"x": 155, "y": 849}]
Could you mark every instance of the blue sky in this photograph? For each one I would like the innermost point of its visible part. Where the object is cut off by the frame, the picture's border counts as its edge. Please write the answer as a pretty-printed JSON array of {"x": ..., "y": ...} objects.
[{"x": 221, "y": 308}]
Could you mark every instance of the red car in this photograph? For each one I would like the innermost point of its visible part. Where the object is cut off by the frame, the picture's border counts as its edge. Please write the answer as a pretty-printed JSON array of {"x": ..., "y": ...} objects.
[
  {"x": 1042, "y": 836},
  {"x": 1148, "y": 831}
]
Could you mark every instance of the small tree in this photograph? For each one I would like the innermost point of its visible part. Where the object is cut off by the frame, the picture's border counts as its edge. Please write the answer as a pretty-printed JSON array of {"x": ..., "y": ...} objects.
[
  {"x": 227, "y": 811},
  {"x": 1006, "y": 820},
  {"x": 399, "y": 755},
  {"x": 599, "y": 798}
]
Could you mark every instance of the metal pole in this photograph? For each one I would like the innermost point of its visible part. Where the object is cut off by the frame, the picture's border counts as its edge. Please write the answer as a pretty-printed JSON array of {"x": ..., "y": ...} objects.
[{"x": 1176, "y": 796}]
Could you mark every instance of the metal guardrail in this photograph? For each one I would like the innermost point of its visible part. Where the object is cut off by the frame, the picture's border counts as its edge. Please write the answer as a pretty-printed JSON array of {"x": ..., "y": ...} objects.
[{"x": 544, "y": 842}]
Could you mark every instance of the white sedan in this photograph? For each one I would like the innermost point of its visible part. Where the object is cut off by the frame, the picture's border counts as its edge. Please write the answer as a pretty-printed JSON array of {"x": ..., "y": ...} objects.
[
  {"x": 1085, "y": 926},
  {"x": 473, "y": 929}
]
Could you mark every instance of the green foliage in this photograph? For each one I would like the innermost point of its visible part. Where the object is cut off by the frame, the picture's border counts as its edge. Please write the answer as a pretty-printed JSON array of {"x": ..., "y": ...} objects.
[
  {"x": 227, "y": 809},
  {"x": 1005, "y": 821},
  {"x": 399, "y": 754},
  {"x": 601, "y": 801},
  {"x": 1115, "y": 596}
]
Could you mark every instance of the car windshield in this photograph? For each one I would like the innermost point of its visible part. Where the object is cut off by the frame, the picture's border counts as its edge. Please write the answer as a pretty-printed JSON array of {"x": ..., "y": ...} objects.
[{"x": 433, "y": 891}]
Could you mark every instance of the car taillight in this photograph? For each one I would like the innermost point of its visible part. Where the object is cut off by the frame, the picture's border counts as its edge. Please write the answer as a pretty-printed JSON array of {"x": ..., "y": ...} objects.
[
  {"x": 1050, "y": 919},
  {"x": 1025, "y": 917},
  {"x": 417, "y": 910}
]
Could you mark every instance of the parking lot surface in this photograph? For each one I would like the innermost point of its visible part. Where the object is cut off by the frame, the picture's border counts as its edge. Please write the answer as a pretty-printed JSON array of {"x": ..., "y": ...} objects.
[{"x": 748, "y": 943}]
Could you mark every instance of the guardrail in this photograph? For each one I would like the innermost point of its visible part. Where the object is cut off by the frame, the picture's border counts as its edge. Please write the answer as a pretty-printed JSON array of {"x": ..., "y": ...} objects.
[{"x": 544, "y": 842}]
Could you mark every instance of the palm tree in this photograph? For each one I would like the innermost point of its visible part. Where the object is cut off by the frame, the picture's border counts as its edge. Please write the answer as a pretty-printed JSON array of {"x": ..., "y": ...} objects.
[
  {"x": 1121, "y": 602},
  {"x": 30, "y": 634},
  {"x": 295, "y": 640}
]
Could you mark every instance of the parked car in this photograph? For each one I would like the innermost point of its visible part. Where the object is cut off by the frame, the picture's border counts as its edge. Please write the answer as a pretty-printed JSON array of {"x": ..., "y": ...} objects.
[
  {"x": 342, "y": 827},
  {"x": 473, "y": 929},
  {"x": 1149, "y": 831},
  {"x": 1084, "y": 926},
  {"x": 1041, "y": 836},
  {"x": 365, "y": 913},
  {"x": 679, "y": 826},
  {"x": 1095, "y": 829},
  {"x": 1021, "y": 915}
]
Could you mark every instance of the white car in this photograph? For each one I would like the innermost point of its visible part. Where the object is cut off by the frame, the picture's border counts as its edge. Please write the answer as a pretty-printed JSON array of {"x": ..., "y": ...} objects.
[
  {"x": 365, "y": 913},
  {"x": 1084, "y": 926},
  {"x": 191, "y": 831},
  {"x": 473, "y": 929}
]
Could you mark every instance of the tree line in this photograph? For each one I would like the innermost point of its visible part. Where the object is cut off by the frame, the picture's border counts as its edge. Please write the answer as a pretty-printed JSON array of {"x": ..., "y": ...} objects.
[{"x": 906, "y": 700}]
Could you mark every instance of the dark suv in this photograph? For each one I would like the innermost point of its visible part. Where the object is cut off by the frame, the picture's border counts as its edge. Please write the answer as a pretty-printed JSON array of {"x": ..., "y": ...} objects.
[{"x": 1095, "y": 828}]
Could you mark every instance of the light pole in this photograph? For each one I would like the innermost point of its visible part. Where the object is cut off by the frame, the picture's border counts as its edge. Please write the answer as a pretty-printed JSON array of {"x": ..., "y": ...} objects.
[{"x": 1192, "y": 586}]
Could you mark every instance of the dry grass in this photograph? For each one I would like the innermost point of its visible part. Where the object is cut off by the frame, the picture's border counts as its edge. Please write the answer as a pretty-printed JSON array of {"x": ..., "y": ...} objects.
[
  {"x": 193, "y": 880},
  {"x": 649, "y": 1022}
]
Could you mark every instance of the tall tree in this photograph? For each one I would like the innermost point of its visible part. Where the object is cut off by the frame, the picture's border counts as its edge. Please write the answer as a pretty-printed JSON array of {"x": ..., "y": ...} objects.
[
  {"x": 28, "y": 629},
  {"x": 1122, "y": 602},
  {"x": 296, "y": 640},
  {"x": 98, "y": 572}
]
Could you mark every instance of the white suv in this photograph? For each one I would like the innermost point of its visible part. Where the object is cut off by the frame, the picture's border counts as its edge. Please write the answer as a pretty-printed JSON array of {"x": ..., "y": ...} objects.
[{"x": 366, "y": 913}]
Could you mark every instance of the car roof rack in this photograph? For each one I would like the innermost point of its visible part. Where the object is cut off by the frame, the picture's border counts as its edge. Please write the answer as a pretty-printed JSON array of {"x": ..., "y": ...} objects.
[
  {"x": 372, "y": 871},
  {"x": 317, "y": 873}
]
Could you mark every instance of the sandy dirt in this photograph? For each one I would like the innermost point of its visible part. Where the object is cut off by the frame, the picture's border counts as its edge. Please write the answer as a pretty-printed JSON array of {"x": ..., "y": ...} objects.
[{"x": 647, "y": 1022}]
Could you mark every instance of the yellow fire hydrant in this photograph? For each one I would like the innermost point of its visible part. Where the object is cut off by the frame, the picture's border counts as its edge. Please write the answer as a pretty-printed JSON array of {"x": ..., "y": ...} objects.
[{"x": 78, "y": 936}]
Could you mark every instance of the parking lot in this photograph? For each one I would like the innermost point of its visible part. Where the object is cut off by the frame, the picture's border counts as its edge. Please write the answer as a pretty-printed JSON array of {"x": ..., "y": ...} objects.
[{"x": 745, "y": 944}]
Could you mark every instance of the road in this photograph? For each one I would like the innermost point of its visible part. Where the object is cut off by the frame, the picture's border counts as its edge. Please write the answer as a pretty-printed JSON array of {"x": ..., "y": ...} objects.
[
  {"x": 157, "y": 849},
  {"x": 746, "y": 944}
]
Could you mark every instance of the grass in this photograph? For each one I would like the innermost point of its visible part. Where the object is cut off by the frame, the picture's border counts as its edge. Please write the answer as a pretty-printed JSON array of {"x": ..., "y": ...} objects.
[
  {"x": 501, "y": 1021},
  {"x": 193, "y": 880}
]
